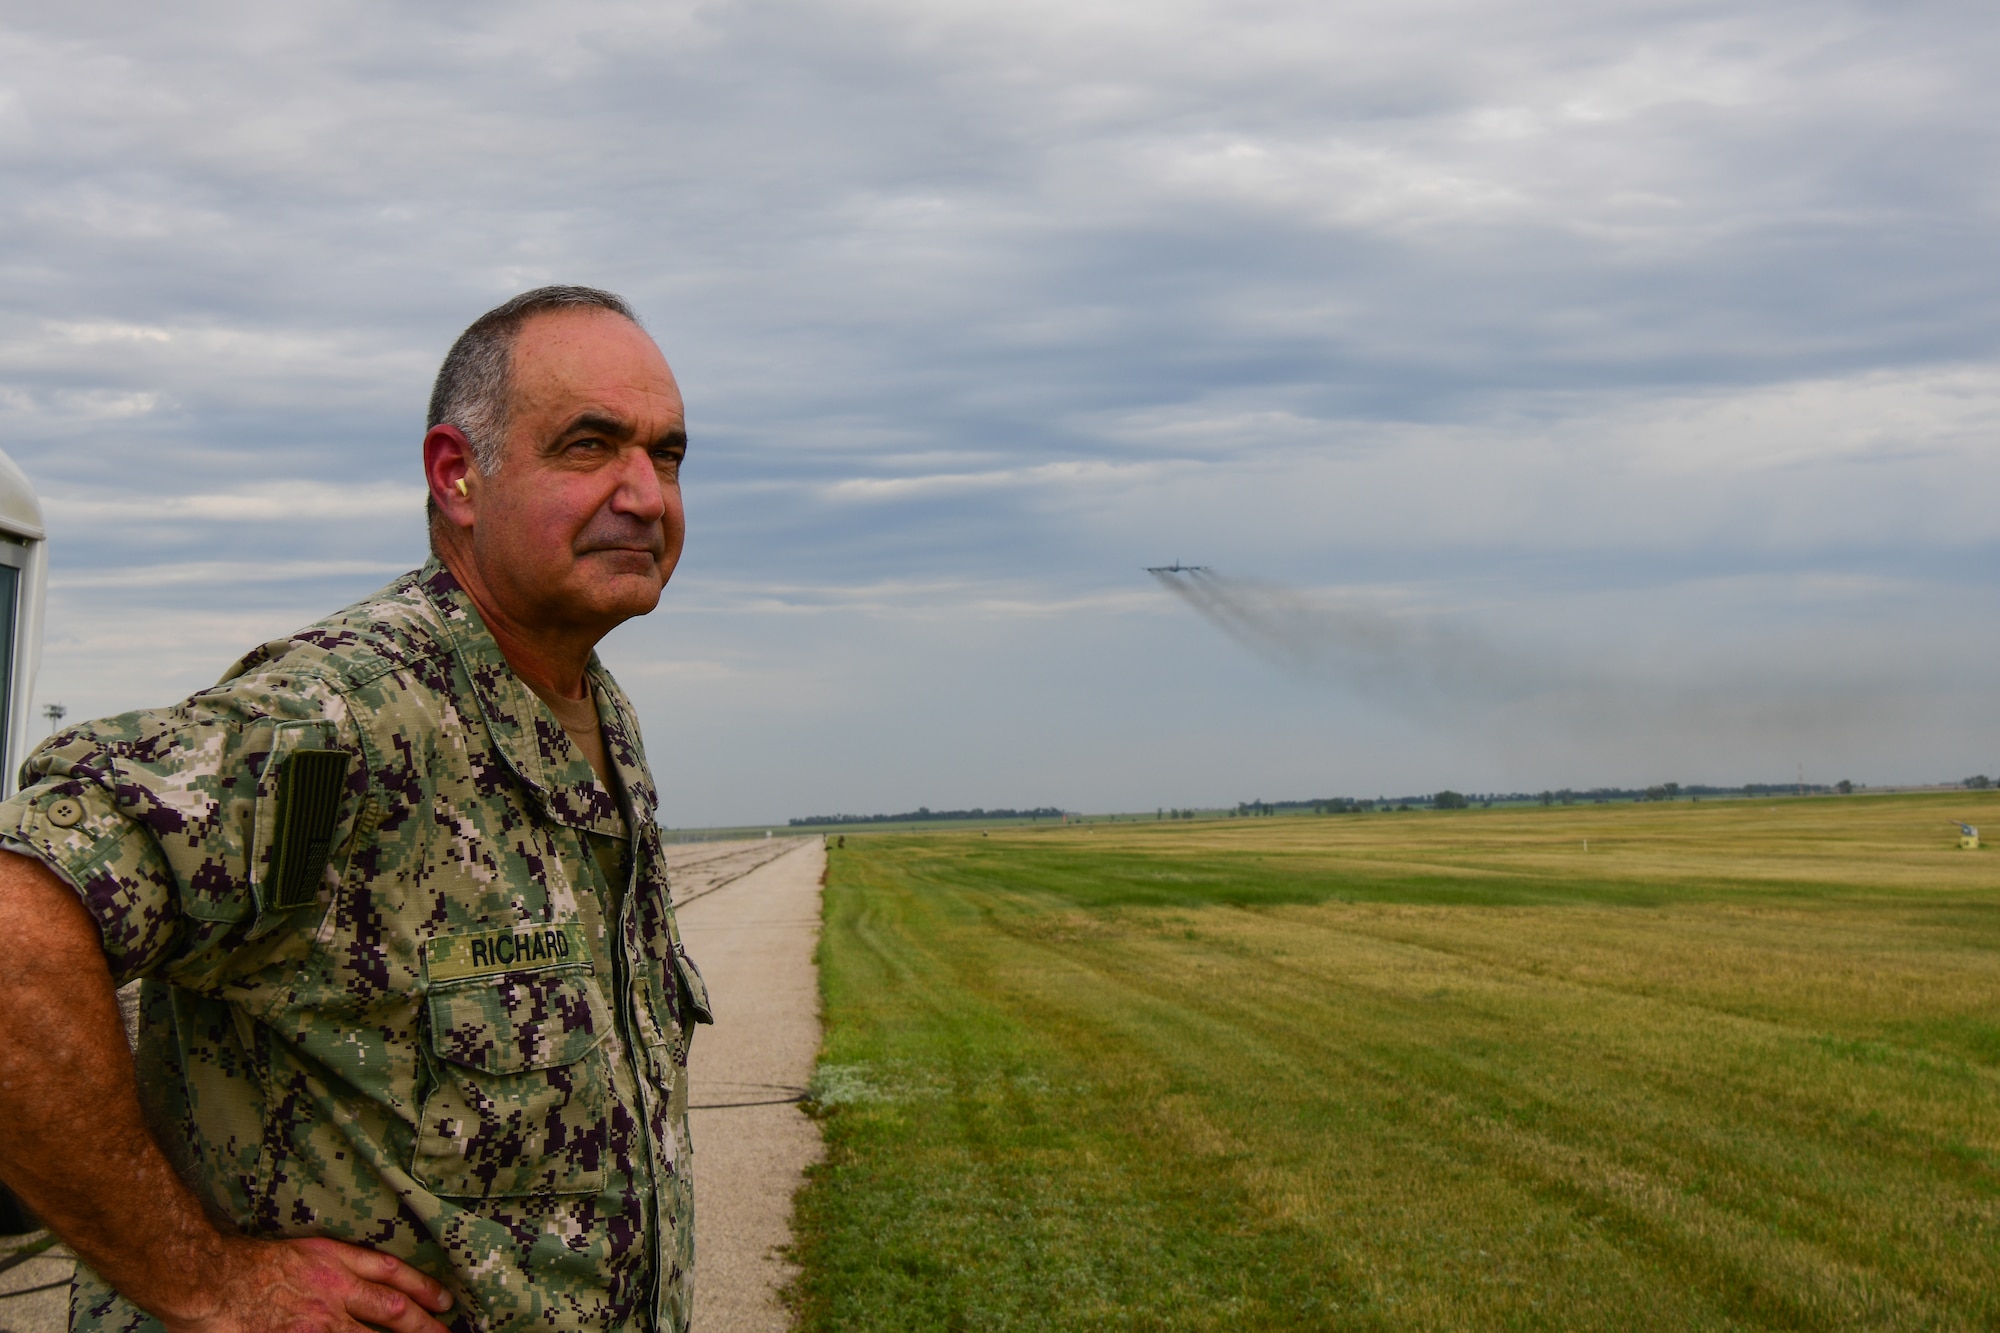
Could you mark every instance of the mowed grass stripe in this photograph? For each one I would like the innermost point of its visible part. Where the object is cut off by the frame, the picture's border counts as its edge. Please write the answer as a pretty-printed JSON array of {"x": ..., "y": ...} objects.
[
  {"x": 1012, "y": 1196},
  {"x": 1499, "y": 1116},
  {"x": 1064, "y": 1091}
]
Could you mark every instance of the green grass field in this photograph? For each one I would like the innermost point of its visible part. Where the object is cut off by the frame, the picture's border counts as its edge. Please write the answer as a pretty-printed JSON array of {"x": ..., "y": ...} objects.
[{"x": 1735, "y": 1066}]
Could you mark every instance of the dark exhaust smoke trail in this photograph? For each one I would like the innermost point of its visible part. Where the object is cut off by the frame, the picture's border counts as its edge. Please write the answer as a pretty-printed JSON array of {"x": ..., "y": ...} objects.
[
  {"x": 1378, "y": 653},
  {"x": 1524, "y": 700}
]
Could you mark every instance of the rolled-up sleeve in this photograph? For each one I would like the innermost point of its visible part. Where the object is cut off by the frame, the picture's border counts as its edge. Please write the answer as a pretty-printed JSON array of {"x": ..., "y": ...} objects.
[{"x": 153, "y": 818}]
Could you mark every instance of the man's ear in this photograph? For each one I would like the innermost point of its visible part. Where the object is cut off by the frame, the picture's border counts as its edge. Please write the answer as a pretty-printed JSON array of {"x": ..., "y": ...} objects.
[{"x": 451, "y": 476}]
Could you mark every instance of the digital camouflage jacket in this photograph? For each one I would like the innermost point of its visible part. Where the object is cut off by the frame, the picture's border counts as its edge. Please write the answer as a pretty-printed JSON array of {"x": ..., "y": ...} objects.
[{"x": 412, "y": 978}]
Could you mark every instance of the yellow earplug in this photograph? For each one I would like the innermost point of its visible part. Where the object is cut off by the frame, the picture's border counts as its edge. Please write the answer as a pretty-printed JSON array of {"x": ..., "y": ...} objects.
[{"x": 461, "y": 485}]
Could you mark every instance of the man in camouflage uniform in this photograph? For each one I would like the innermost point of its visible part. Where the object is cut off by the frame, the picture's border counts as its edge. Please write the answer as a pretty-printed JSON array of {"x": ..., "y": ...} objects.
[{"x": 415, "y": 1015}]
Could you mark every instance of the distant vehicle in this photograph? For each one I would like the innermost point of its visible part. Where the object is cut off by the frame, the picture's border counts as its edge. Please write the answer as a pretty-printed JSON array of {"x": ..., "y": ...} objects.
[
  {"x": 1177, "y": 568},
  {"x": 24, "y": 577}
]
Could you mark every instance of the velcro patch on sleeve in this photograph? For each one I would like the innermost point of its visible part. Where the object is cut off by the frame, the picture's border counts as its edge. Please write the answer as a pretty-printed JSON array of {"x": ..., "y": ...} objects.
[
  {"x": 490, "y": 953},
  {"x": 309, "y": 790}
]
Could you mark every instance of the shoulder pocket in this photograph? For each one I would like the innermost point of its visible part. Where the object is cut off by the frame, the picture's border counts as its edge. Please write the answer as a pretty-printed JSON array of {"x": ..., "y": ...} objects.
[
  {"x": 303, "y": 817},
  {"x": 520, "y": 1104},
  {"x": 297, "y": 828}
]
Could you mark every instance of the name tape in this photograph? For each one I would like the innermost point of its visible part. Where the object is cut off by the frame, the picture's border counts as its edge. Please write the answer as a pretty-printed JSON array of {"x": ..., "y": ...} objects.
[{"x": 492, "y": 952}]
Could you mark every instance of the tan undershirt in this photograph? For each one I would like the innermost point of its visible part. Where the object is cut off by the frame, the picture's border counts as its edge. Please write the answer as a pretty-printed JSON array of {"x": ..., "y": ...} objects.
[{"x": 579, "y": 719}]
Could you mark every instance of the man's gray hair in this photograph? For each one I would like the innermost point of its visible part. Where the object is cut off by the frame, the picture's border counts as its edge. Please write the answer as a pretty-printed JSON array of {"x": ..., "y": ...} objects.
[{"x": 475, "y": 383}]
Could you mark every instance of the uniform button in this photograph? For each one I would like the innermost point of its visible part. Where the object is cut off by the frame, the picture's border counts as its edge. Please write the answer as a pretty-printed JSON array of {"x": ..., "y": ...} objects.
[{"x": 66, "y": 813}]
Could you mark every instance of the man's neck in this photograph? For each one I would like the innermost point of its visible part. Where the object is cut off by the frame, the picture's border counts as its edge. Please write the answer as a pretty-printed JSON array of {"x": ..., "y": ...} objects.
[{"x": 551, "y": 662}]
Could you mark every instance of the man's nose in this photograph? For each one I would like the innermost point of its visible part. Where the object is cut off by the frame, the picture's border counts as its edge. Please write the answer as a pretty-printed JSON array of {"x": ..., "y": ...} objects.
[{"x": 639, "y": 494}]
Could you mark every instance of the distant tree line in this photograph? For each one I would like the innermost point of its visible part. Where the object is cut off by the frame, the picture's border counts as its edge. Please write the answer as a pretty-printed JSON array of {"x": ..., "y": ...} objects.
[
  {"x": 1455, "y": 800},
  {"x": 1324, "y": 805},
  {"x": 924, "y": 814},
  {"x": 1441, "y": 800}
]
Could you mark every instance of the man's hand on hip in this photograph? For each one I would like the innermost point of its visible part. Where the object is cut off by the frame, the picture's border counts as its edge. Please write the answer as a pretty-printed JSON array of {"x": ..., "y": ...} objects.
[
  {"x": 316, "y": 1286},
  {"x": 76, "y": 1149}
]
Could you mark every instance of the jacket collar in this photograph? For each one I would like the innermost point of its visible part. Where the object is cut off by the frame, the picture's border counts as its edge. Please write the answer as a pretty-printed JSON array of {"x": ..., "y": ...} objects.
[{"x": 527, "y": 735}]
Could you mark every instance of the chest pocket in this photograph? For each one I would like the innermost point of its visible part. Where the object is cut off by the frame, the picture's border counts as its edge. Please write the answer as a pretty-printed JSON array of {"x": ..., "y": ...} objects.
[{"x": 520, "y": 1098}]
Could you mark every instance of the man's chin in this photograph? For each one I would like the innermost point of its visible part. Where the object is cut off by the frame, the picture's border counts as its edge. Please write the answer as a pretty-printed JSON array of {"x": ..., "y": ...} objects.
[
  {"x": 617, "y": 584},
  {"x": 629, "y": 596}
]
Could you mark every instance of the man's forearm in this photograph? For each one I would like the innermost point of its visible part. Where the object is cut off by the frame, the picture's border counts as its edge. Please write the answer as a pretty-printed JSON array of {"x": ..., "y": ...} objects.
[{"x": 77, "y": 1149}]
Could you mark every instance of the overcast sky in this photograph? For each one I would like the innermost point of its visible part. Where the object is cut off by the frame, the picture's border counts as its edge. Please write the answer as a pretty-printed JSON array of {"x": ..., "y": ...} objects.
[{"x": 1601, "y": 393}]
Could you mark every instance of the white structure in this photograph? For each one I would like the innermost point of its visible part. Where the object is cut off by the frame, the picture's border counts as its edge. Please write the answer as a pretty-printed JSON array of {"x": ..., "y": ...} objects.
[{"x": 24, "y": 577}]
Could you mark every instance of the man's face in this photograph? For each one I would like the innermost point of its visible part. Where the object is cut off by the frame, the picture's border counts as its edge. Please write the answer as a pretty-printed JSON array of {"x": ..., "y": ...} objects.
[{"x": 582, "y": 525}]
